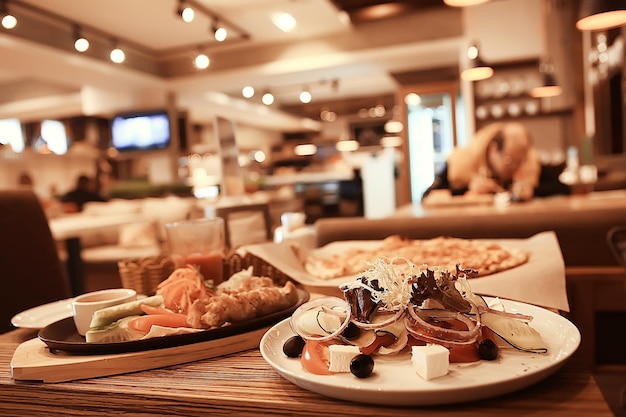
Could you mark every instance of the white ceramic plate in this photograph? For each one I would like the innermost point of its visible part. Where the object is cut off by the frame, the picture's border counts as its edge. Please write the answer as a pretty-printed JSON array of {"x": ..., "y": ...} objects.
[
  {"x": 41, "y": 316},
  {"x": 394, "y": 382}
]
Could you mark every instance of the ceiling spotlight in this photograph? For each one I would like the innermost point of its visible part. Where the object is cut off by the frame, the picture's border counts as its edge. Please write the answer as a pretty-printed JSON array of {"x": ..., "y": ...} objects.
[
  {"x": 284, "y": 21},
  {"x": 8, "y": 20},
  {"x": 81, "y": 44},
  {"x": 247, "y": 91},
  {"x": 305, "y": 96},
  {"x": 219, "y": 32},
  {"x": 477, "y": 69},
  {"x": 117, "y": 55},
  {"x": 202, "y": 61},
  {"x": 185, "y": 12},
  {"x": 267, "y": 98}
]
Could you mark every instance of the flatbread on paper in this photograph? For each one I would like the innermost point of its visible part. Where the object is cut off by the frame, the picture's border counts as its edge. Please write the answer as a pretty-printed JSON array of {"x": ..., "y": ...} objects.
[{"x": 484, "y": 256}]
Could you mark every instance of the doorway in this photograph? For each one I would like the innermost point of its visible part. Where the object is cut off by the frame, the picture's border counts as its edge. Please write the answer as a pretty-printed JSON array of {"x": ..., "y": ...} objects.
[{"x": 433, "y": 115}]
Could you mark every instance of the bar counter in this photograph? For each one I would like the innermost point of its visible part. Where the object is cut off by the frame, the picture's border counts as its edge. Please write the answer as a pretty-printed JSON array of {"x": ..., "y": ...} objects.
[{"x": 244, "y": 384}]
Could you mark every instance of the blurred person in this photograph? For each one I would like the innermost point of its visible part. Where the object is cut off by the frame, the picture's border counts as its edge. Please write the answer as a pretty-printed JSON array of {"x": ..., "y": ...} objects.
[
  {"x": 84, "y": 192},
  {"x": 500, "y": 157},
  {"x": 25, "y": 181}
]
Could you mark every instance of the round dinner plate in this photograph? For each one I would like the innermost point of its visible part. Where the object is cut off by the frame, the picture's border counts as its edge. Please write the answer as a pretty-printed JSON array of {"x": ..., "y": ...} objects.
[
  {"x": 43, "y": 315},
  {"x": 395, "y": 382}
]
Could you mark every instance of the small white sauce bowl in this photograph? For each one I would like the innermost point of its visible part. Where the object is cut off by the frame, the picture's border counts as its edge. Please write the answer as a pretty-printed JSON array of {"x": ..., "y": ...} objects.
[{"x": 85, "y": 305}]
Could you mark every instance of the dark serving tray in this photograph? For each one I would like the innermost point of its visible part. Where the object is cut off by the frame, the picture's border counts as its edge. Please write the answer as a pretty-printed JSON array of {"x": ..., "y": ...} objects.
[{"x": 62, "y": 335}]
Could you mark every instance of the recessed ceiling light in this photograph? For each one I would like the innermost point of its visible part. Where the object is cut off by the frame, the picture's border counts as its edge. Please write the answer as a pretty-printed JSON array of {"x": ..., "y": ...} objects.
[
  {"x": 202, "y": 61},
  {"x": 267, "y": 98},
  {"x": 305, "y": 96},
  {"x": 247, "y": 91},
  {"x": 117, "y": 55}
]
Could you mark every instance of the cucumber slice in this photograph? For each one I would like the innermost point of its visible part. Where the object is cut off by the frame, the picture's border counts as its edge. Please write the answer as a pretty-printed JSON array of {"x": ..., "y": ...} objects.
[
  {"x": 328, "y": 322},
  {"x": 117, "y": 331},
  {"x": 111, "y": 314},
  {"x": 516, "y": 333},
  {"x": 317, "y": 323},
  {"x": 477, "y": 299}
]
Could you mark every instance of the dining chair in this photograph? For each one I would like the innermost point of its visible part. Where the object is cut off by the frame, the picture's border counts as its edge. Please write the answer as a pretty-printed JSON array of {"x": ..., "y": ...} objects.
[
  {"x": 616, "y": 237},
  {"x": 31, "y": 272},
  {"x": 246, "y": 223}
]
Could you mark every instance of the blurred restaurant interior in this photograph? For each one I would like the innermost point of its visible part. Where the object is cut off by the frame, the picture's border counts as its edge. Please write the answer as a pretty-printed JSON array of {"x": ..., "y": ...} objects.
[
  {"x": 344, "y": 110},
  {"x": 360, "y": 67}
]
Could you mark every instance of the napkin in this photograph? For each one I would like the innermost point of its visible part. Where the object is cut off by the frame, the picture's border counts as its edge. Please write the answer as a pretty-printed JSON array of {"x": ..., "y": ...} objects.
[{"x": 540, "y": 281}]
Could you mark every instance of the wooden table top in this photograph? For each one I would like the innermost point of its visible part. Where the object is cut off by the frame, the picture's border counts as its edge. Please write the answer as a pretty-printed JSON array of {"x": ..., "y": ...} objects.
[{"x": 244, "y": 384}]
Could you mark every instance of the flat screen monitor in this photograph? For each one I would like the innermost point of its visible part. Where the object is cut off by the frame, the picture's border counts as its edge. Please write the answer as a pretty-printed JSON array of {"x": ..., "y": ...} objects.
[
  {"x": 141, "y": 131},
  {"x": 11, "y": 134}
]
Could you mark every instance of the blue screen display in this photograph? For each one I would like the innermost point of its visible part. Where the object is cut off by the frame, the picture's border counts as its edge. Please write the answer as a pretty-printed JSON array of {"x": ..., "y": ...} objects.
[{"x": 141, "y": 131}]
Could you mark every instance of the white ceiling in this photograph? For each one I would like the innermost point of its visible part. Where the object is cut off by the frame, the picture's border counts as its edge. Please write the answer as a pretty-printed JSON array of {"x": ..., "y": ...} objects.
[{"x": 43, "y": 81}]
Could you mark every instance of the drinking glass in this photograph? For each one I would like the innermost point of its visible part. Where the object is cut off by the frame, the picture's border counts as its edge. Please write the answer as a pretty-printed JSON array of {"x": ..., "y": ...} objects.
[{"x": 198, "y": 242}]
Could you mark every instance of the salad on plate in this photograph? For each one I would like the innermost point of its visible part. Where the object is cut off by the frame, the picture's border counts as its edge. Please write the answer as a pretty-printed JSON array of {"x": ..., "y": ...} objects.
[{"x": 428, "y": 314}]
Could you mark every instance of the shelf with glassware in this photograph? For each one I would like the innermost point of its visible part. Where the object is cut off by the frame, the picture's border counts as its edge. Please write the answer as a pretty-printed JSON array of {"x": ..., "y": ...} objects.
[{"x": 507, "y": 94}]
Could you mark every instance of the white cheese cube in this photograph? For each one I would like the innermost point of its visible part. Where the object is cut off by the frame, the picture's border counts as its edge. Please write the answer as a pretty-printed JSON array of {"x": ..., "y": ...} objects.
[
  {"x": 430, "y": 361},
  {"x": 341, "y": 356}
]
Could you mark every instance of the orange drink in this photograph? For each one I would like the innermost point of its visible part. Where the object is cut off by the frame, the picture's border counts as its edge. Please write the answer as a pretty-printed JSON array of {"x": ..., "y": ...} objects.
[{"x": 198, "y": 242}]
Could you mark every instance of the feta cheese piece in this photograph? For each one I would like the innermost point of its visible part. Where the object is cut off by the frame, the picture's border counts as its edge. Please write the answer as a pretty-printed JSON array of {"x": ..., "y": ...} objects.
[
  {"x": 430, "y": 361},
  {"x": 341, "y": 356}
]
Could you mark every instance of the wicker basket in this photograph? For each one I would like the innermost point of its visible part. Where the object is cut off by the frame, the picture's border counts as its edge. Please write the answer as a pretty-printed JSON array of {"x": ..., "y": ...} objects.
[
  {"x": 144, "y": 274},
  {"x": 235, "y": 263}
]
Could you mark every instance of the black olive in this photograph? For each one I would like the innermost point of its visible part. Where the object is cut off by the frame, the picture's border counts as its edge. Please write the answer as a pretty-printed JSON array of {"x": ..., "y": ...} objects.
[
  {"x": 293, "y": 346},
  {"x": 351, "y": 331},
  {"x": 362, "y": 365},
  {"x": 487, "y": 350}
]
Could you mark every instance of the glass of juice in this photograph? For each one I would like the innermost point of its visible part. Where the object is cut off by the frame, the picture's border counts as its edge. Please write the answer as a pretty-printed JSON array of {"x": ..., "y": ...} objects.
[{"x": 198, "y": 242}]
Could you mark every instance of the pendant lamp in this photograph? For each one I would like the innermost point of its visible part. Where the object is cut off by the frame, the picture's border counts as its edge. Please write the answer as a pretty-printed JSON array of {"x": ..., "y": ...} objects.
[
  {"x": 477, "y": 69},
  {"x": 463, "y": 3},
  {"x": 601, "y": 14},
  {"x": 549, "y": 87}
]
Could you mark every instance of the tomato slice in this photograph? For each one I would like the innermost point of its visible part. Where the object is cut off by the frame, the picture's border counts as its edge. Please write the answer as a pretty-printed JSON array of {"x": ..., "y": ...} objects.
[
  {"x": 464, "y": 354},
  {"x": 144, "y": 323},
  {"x": 316, "y": 357}
]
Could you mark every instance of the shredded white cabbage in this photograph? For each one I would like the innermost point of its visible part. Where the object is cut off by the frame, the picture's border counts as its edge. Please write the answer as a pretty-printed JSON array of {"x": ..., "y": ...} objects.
[{"x": 394, "y": 282}]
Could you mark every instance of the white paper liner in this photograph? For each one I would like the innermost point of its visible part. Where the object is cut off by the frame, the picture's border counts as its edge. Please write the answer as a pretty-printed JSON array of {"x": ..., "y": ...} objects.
[{"x": 540, "y": 281}]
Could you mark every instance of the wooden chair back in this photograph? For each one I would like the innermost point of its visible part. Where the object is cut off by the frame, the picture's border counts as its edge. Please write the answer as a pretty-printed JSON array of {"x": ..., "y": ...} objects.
[{"x": 31, "y": 272}]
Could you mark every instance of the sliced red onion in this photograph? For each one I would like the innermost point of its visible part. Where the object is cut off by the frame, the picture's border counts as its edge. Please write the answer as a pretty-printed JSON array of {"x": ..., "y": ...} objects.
[
  {"x": 443, "y": 333},
  {"x": 379, "y": 324},
  {"x": 409, "y": 324},
  {"x": 329, "y": 305}
]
